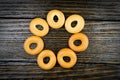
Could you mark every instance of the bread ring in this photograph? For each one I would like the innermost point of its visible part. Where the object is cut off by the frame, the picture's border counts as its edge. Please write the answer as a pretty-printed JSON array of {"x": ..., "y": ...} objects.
[
  {"x": 37, "y": 49},
  {"x": 84, "y": 42},
  {"x": 50, "y": 64},
  {"x": 35, "y": 30},
  {"x": 50, "y": 19},
  {"x": 66, "y": 52},
  {"x": 79, "y": 26}
]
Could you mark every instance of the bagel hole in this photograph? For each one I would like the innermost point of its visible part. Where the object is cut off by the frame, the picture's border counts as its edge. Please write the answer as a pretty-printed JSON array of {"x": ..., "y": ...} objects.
[
  {"x": 77, "y": 42},
  {"x": 66, "y": 59},
  {"x": 46, "y": 60},
  {"x": 39, "y": 27},
  {"x": 55, "y": 18},
  {"x": 33, "y": 45},
  {"x": 74, "y": 23}
]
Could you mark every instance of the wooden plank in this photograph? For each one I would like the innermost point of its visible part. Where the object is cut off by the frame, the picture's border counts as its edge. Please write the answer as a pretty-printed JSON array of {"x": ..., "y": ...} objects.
[
  {"x": 89, "y": 9},
  {"x": 100, "y": 61},
  {"x": 11, "y": 68},
  {"x": 103, "y": 48}
]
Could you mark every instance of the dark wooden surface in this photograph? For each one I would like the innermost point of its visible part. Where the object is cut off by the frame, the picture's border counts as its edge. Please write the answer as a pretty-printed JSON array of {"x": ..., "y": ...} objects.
[{"x": 101, "y": 61}]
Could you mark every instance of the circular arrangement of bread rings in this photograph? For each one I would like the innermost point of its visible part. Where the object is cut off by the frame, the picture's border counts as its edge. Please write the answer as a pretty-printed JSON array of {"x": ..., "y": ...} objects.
[{"x": 65, "y": 52}]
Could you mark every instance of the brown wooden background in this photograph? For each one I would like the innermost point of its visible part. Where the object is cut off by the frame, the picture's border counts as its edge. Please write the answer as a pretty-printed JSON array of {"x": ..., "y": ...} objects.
[{"x": 101, "y": 61}]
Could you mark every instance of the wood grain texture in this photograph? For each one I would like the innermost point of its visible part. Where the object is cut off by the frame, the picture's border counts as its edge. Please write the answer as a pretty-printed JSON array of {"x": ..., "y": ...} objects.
[
  {"x": 28, "y": 69},
  {"x": 101, "y": 61},
  {"x": 89, "y": 9},
  {"x": 104, "y": 40},
  {"x": 103, "y": 50}
]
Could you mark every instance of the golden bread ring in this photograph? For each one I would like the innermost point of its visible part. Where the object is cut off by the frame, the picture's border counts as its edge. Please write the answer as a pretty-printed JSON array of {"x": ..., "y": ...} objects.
[
  {"x": 50, "y": 19},
  {"x": 37, "y": 49},
  {"x": 69, "y": 53},
  {"x": 84, "y": 42},
  {"x": 35, "y": 30},
  {"x": 50, "y": 64},
  {"x": 79, "y": 26}
]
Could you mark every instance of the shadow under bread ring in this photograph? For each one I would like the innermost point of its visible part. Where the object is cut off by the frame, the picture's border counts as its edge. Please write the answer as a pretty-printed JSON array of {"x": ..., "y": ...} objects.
[
  {"x": 50, "y": 19},
  {"x": 33, "y": 39},
  {"x": 50, "y": 64},
  {"x": 66, "y": 52},
  {"x": 84, "y": 42},
  {"x": 39, "y": 22},
  {"x": 79, "y": 25}
]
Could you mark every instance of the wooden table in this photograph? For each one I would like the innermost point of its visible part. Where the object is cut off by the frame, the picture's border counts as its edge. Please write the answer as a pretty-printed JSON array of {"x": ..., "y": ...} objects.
[{"x": 100, "y": 61}]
